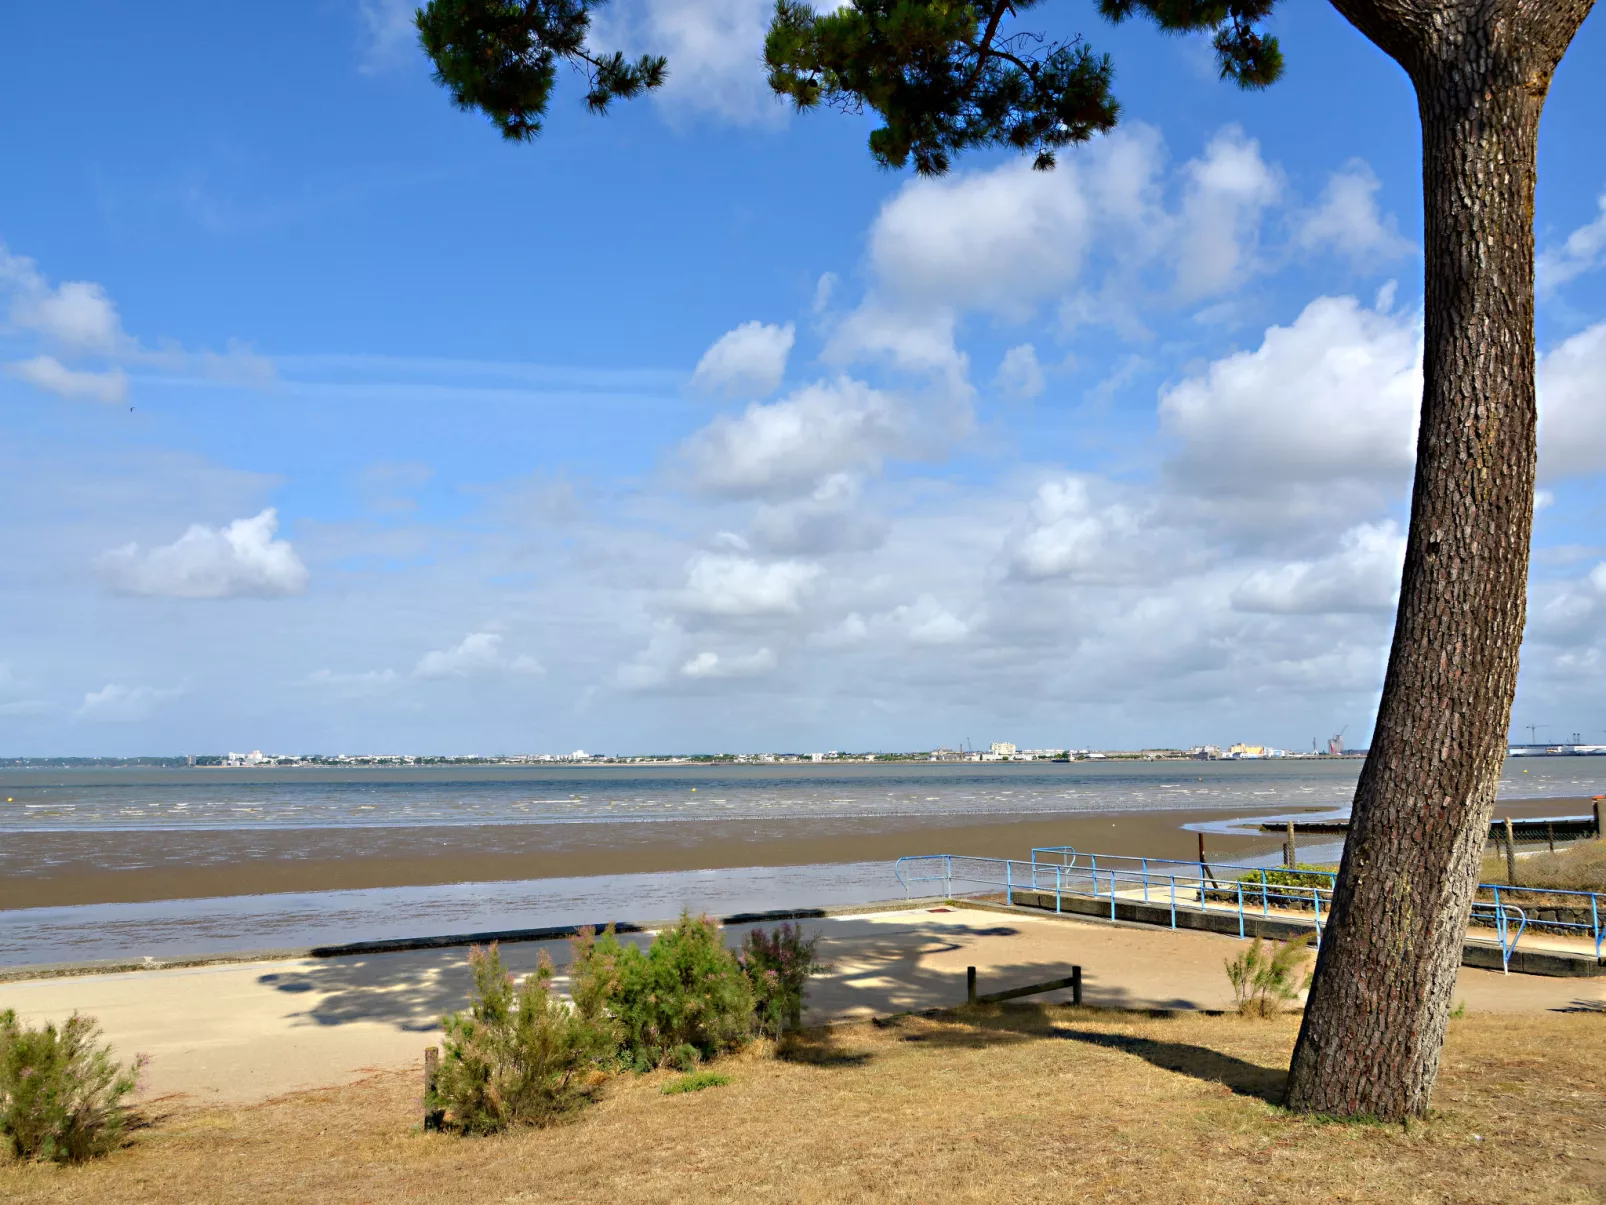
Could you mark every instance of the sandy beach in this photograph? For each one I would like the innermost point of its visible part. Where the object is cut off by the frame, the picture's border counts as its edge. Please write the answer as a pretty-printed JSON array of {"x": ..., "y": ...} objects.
[{"x": 54, "y": 869}]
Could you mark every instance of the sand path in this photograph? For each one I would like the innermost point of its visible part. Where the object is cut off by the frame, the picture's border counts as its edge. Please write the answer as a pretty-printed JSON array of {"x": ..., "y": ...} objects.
[{"x": 246, "y": 1032}]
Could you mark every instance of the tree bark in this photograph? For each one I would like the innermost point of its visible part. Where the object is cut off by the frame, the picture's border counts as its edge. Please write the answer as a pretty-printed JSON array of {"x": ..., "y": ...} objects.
[{"x": 1380, "y": 1001}]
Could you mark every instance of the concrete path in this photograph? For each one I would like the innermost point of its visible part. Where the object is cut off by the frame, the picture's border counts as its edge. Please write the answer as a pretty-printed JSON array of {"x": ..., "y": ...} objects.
[{"x": 245, "y": 1032}]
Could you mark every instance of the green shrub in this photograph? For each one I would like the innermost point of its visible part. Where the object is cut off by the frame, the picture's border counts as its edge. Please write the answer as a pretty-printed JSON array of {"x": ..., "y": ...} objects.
[
  {"x": 61, "y": 1094},
  {"x": 684, "y": 1000},
  {"x": 778, "y": 966},
  {"x": 1262, "y": 983},
  {"x": 519, "y": 1054},
  {"x": 1301, "y": 874},
  {"x": 695, "y": 1082}
]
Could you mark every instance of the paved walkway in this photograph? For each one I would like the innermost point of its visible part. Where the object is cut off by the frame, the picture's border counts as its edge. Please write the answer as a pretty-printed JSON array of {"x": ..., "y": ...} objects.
[{"x": 245, "y": 1032}]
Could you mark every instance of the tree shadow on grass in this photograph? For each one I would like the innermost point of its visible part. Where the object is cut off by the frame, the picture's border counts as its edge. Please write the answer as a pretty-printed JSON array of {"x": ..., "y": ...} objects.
[
  {"x": 820, "y": 1047},
  {"x": 972, "y": 1029}
]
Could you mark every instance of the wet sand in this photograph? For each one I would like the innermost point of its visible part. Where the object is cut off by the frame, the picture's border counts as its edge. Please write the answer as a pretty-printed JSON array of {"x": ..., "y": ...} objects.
[{"x": 56, "y": 869}]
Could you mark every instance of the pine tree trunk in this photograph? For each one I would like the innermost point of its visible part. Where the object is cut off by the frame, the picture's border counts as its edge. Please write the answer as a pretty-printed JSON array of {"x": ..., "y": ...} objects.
[{"x": 1380, "y": 1002}]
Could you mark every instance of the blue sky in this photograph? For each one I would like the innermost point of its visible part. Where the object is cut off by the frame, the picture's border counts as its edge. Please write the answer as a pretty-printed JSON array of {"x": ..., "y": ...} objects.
[{"x": 333, "y": 422}]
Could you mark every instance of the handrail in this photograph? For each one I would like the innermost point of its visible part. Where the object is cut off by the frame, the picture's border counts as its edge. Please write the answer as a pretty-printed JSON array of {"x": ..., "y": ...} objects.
[{"x": 1193, "y": 889}]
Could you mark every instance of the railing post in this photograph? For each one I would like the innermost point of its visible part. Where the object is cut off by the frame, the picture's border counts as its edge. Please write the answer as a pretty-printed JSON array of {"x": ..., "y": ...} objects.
[
  {"x": 1057, "y": 884},
  {"x": 1173, "y": 901},
  {"x": 1316, "y": 904},
  {"x": 1009, "y": 883},
  {"x": 1112, "y": 895},
  {"x": 948, "y": 872},
  {"x": 1240, "y": 907},
  {"x": 1145, "y": 880},
  {"x": 1594, "y": 913}
]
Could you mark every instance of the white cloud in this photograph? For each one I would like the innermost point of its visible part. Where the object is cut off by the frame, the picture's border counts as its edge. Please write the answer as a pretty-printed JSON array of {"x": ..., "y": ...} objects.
[
  {"x": 830, "y": 519},
  {"x": 715, "y": 50},
  {"x": 726, "y": 585},
  {"x": 1333, "y": 395},
  {"x": 240, "y": 560},
  {"x": 388, "y": 32},
  {"x": 785, "y": 447},
  {"x": 478, "y": 655},
  {"x": 1363, "y": 575},
  {"x": 1228, "y": 189},
  {"x": 50, "y": 374},
  {"x": 708, "y": 664},
  {"x": 926, "y": 621},
  {"x": 77, "y": 314},
  {"x": 1347, "y": 220},
  {"x": 1019, "y": 373},
  {"x": 1584, "y": 251},
  {"x": 1072, "y": 536},
  {"x": 116, "y": 703},
  {"x": 1572, "y": 406},
  {"x": 1000, "y": 239},
  {"x": 748, "y": 361}
]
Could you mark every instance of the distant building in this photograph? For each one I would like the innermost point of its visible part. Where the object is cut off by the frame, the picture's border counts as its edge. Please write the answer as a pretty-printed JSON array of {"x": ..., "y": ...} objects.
[{"x": 1002, "y": 749}]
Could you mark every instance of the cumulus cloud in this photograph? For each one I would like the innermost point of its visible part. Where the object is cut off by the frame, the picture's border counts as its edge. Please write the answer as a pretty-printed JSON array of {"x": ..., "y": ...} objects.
[
  {"x": 1363, "y": 575},
  {"x": 748, "y": 361},
  {"x": 784, "y": 448},
  {"x": 1347, "y": 220},
  {"x": 116, "y": 703},
  {"x": 735, "y": 586},
  {"x": 926, "y": 621},
  {"x": 1228, "y": 189},
  {"x": 77, "y": 314},
  {"x": 709, "y": 664},
  {"x": 479, "y": 655},
  {"x": 1019, "y": 374},
  {"x": 1333, "y": 395},
  {"x": 51, "y": 375},
  {"x": 1072, "y": 536},
  {"x": 829, "y": 519},
  {"x": 242, "y": 560},
  {"x": 715, "y": 50},
  {"x": 1572, "y": 406},
  {"x": 1584, "y": 251}
]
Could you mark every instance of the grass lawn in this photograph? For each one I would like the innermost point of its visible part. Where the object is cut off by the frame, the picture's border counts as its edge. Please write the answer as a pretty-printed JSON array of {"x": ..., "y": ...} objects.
[
  {"x": 1578, "y": 867},
  {"x": 1012, "y": 1103}
]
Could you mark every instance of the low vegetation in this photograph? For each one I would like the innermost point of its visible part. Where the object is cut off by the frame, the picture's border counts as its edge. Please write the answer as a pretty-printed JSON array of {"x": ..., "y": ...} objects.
[
  {"x": 998, "y": 1103},
  {"x": 696, "y": 1081},
  {"x": 518, "y": 1054},
  {"x": 1579, "y": 867},
  {"x": 61, "y": 1092},
  {"x": 522, "y": 1055},
  {"x": 1266, "y": 980}
]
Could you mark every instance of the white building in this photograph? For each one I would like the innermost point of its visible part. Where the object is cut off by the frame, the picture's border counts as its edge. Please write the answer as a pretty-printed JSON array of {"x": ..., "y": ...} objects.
[{"x": 1002, "y": 748}]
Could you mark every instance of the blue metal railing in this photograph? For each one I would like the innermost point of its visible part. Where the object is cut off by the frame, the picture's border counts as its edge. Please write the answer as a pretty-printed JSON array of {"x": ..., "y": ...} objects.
[{"x": 1195, "y": 887}]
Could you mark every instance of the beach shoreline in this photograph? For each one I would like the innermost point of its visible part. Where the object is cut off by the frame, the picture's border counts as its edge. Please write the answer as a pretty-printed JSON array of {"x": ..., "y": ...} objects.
[{"x": 55, "y": 869}]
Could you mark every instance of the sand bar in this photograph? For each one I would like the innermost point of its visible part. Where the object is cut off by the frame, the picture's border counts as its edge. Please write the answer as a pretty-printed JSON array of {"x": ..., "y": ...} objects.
[{"x": 55, "y": 869}]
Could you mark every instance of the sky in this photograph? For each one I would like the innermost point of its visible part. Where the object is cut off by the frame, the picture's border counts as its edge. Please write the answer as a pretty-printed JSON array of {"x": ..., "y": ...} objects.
[{"x": 332, "y": 422}]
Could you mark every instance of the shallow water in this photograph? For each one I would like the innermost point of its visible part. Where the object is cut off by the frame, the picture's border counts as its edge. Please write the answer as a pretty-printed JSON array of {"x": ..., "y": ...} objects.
[{"x": 154, "y": 800}]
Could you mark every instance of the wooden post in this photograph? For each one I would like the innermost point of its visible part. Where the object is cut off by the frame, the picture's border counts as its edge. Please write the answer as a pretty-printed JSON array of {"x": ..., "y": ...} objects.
[
  {"x": 1290, "y": 854},
  {"x": 432, "y": 1116},
  {"x": 1597, "y": 819},
  {"x": 1076, "y": 986},
  {"x": 1550, "y": 835},
  {"x": 1511, "y": 854},
  {"x": 970, "y": 985}
]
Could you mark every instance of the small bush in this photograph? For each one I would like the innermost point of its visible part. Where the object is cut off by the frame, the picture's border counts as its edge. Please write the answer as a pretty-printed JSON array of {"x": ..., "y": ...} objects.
[
  {"x": 1263, "y": 982},
  {"x": 61, "y": 1094},
  {"x": 518, "y": 1055},
  {"x": 695, "y": 1082},
  {"x": 684, "y": 1000},
  {"x": 778, "y": 966}
]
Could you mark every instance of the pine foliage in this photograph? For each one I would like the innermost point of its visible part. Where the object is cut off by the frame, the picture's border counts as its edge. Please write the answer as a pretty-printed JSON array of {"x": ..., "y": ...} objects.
[
  {"x": 501, "y": 57},
  {"x": 61, "y": 1092}
]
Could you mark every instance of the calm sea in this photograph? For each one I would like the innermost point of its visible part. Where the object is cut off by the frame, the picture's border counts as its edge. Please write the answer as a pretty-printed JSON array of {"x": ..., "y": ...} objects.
[{"x": 141, "y": 799}]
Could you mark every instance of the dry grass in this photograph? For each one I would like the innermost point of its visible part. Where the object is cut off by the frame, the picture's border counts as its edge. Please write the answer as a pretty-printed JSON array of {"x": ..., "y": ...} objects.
[
  {"x": 1579, "y": 867},
  {"x": 1012, "y": 1103}
]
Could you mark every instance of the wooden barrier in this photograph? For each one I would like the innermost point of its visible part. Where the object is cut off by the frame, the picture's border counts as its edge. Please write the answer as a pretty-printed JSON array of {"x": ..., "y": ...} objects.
[
  {"x": 1072, "y": 981},
  {"x": 433, "y": 1117}
]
